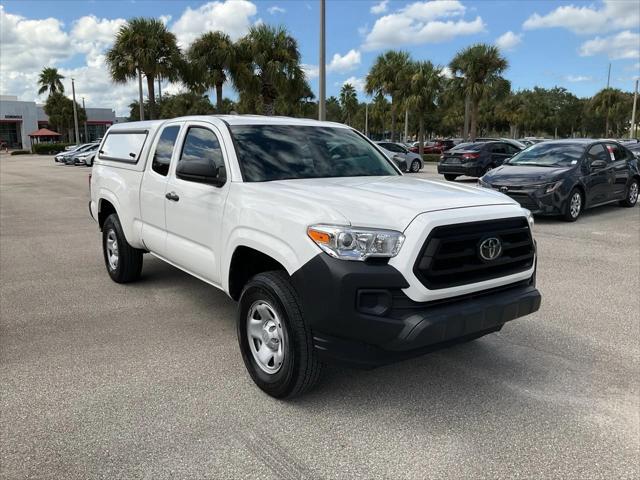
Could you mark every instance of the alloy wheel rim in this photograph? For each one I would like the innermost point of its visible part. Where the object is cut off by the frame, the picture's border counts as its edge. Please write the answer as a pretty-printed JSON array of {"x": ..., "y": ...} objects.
[
  {"x": 266, "y": 337},
  {"x": 576, "y": 204},
  {"x": 415, "y": 166},
  {"x": 112, "y": 249},
  {"x": 633, "y": 193}
]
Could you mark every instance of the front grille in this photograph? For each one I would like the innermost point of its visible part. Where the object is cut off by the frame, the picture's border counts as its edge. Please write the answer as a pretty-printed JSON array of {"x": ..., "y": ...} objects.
[
  {"x": 524, "y": 200},
  {"x": 450, "y": 255}
]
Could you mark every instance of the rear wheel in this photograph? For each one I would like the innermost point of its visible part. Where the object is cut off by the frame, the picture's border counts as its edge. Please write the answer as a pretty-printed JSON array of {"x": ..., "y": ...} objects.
[
  {"x": 449, "y": 176},
  {"x": 275, "y": 342},
  {"x": 574, "y": 205},
  {"x": 631, "y": 197},
  {"x": 123, "y": 262},
  {"x": 415, "y": 166}
]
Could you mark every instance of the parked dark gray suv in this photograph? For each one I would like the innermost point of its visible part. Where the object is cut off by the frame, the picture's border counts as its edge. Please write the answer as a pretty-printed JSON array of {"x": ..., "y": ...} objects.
[{"x": 475, "y": 159}]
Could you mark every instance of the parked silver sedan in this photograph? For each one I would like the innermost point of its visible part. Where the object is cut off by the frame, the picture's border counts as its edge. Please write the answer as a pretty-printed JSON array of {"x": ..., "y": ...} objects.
[{"x": 413, "y": 160}]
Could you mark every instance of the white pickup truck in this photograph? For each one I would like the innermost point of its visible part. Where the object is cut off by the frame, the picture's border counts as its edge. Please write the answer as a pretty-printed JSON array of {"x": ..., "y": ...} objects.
[{"x": 331, "y": 253}]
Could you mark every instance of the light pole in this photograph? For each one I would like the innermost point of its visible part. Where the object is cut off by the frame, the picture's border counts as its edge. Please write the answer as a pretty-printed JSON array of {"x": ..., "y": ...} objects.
[
  {"x": 140, "y": 93},
  {"x": 406, "y": 124},
  {"x": 322, "y": 114},
  {"x": 366, "y": 119},
  {"x": 75, "y": 112},
  {"x": 86, "y": 135},
  {"x": 633, "y": 113}
]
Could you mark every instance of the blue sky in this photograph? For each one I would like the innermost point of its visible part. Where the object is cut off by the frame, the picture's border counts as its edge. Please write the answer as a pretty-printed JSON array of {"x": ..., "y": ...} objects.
[{"x": 547, "y": 43}]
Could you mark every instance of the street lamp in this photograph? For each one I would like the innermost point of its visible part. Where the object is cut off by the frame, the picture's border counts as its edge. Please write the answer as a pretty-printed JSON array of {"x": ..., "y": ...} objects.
[{"x": 75, "y": 112}]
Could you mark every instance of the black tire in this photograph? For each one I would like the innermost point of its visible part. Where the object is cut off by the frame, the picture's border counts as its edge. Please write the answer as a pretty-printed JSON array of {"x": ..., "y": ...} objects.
[
  {"x": 128, "y": 266},
  {"x": 570, "y": 214},
  {"x": 300, "y": 368},
  {"x": 631, "y": 195},
  {"x": 449, "y": 176},
  {"x": 415, "y": 166}
]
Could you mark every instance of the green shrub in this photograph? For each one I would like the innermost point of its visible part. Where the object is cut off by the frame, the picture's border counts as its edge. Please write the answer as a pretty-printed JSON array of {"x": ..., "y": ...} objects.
[
  {"x": 20, "y": 152},
  {"x": 431, "y": 157},
  {"x": 49, "y": 148}
]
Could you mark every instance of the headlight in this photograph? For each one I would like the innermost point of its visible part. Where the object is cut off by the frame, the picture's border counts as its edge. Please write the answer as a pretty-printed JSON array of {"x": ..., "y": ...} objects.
[
  {"x": 529, "y": 218},
  {"x": 552, "y": 187},
  {"x": 347, "y": 243}
]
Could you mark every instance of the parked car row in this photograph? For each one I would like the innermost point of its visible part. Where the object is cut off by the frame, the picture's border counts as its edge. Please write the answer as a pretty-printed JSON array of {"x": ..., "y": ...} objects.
[
  {"x": 80, "y": 155},
  {"x": 560, "y": 177},
  {"x": 406, "y": 160}
]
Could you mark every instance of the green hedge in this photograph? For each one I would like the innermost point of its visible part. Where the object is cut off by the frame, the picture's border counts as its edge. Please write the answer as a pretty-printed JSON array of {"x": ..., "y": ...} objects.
[
  {"x": 49, "y": 148},
  {"x": 431, "y": 157},
  {"x": 20, "y": 152}
]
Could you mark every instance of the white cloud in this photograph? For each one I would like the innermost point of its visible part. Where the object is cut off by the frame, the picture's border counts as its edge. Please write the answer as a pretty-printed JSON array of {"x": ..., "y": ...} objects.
[
  {"x": 311, "y": 71},
  {"x": 357, "y": 83},
  {"x": 232, "y": 17},
  {"x": 165, "y": 19},
  {"x": 345, "y": 63},
  {"x": 379, "y": 8},
  {"x": 275, "y": 9},
  {"x": 625, "y": 44},
  {"x": 613, "y": 15},
  {"x": 508, "y": 40},
  {"x": 422, "y": 22},
  {"x": 578, "y": 78}
]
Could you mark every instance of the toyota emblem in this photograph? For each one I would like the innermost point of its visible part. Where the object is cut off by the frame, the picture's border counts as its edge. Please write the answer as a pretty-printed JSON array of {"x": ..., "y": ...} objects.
[
  {"x": 490, "y": 249},
  {"x": 503, "y": 189}
]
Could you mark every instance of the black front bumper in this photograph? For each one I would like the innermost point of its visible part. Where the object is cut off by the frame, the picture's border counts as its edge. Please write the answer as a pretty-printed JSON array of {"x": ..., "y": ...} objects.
[
  {"x": 538, "y": 202},
  {"x": 359, "y": 315}
]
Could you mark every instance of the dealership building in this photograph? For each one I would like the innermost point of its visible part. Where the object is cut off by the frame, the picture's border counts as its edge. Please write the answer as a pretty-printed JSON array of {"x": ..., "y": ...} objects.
[{"x": 18, "y": 119}]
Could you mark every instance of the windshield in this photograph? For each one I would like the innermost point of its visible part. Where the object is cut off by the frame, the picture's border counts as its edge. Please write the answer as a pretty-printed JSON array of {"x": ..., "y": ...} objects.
[
  {"x": 279, "y": 152},
  {"x": 549, "y": 155}
]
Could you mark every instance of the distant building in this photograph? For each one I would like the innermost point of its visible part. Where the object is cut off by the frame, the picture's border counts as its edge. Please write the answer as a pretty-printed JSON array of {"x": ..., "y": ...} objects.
[{"x": 18, "y": 119}]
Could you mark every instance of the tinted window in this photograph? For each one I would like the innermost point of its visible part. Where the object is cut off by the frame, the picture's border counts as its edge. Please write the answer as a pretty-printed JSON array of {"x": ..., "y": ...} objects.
[
  {"x": 123, "y": 146},
  {"x": 470, "y": 146},
  {"x": 201, "y": 145},
  {"x": 597, "y": 152},
  {"x": 164, "y": 149},
  {"x": 550, "y": 155},
  {"x": 512, "y": 149},
  {"x": 615, "y": 152},
  {"x": 278, "y": 152},
  {"x": 499, "y": 148}
]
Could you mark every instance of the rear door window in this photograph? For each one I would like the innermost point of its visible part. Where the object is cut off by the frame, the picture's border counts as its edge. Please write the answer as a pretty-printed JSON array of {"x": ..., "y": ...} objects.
[
  {"x": 123, "y": 146},
  {"x": 597, "y": 152},
  {"x": 615, "y": 152},
  {"x": 164, "y": 150},
  {"x": 499, "y": 148}
]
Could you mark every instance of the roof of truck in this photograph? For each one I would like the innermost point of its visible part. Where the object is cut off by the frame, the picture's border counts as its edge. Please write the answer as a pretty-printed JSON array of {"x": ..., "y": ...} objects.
[{"x": 230, "y": 120}]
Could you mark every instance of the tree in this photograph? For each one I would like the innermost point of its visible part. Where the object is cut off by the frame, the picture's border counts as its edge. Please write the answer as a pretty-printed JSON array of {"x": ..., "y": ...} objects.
[
  {"x": 267, "y": 64},
  {"x": 379, "y": 113},
  {"x": 59, "y": 109},
  {"x": 144, "y": 46},
  {"x": 424, "y": 88},
  {"x": 179, "y": 105},
  {"x": 334, "y": 111},
  {"x": 477, "y": 69},
  {"x": 211, "y": 57},
  {"x": 388, "y": 76},
  {"x": 50, "y": 80},
  {"x": 615, "y": 108},
  {"x": 348, "y": 102}
]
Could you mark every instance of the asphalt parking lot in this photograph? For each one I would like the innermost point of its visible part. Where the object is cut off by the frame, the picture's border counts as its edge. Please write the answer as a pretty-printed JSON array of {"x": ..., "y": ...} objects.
[{"x": 100, "y": 380}]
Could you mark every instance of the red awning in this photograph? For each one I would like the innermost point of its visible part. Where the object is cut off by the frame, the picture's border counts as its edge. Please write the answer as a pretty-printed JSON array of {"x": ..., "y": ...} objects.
[{"x": 44, "y": 132}]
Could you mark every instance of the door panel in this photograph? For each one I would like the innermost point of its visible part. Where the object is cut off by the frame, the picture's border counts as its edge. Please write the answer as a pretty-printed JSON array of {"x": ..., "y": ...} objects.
[
  {"x": 194, "y": 221},
  {"x": 620, "y": 171},
  {"x": 597, "y": 181},
  {"x": 153, "y": 189}
]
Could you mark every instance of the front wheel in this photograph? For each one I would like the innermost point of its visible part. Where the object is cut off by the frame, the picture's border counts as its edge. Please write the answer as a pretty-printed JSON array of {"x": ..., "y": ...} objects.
[
  {"x": 415, "y": 166},
  {"x": 631, "y": 197},
  {"x": 574, "y": 206},
  {"x": 450, "y": 177},
  {"x": 275, "y": 342},
  {"x": 123, "y": 262}
]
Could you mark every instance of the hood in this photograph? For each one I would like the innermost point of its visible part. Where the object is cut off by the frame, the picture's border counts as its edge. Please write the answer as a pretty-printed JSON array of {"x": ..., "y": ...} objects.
[
  {"x": 384, "y": 202},
  {"x": 523, "y": 175}
]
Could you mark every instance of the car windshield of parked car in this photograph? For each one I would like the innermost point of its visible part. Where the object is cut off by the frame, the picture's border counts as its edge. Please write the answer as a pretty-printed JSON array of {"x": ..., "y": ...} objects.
[
  {"x": 280, "y": 152},
  {"x": 549, "y": 155}
]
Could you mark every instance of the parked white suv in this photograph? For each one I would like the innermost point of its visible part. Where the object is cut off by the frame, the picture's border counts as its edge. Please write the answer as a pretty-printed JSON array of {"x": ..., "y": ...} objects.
[{"x": 330, "y": 251}]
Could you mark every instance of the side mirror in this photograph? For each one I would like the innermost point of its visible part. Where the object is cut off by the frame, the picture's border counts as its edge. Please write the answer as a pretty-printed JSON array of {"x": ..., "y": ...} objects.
[
  {"x": 201, "y": 171},
  {"x": 598, "y": 165}
]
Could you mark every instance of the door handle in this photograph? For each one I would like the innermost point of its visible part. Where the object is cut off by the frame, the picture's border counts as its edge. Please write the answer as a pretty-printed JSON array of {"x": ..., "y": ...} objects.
[{"x": 172, "y": 196}]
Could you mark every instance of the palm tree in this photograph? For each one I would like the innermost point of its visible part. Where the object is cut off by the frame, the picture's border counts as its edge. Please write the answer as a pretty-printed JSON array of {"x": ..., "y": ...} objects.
[
  {"x": 602, "y": 103},
  {"x": 477, "y": 68},
  {"x": 379, "y": 110},
  {"x": 211, "y": 56},
  {"x": 50, "y": 80},
  {"x": 389, "y": 75},
  {"x": 348, "y": 102},
  {"x": 424, "y": 88},
  {"x": 144, "y": 46},
  {"x": 268, "y": 64}
]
